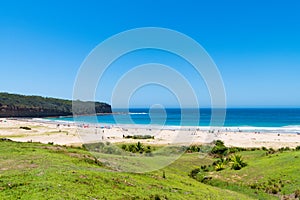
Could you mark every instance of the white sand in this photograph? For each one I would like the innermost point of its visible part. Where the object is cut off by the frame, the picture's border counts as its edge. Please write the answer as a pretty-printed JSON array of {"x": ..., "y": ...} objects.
[{"x": 72, "y": 134}]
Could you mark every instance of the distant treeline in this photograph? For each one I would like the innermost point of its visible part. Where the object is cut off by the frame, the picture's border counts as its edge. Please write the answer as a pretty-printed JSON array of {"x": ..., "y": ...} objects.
[{"x": 15, "y": 105}]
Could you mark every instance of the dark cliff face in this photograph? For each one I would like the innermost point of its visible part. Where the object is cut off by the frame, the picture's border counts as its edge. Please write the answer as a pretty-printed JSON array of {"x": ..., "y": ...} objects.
[
  {"x": 14, "y": 111},
  {"x": 12, "y": 105}
]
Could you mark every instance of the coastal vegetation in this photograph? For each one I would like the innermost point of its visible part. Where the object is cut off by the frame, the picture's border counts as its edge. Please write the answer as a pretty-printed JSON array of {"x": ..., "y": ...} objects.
[
  {"x": 138, "y": 148},
  {"x": 35, "y": 171},
  {"x": 139, "y": 137},
  {"x": 267, "y": 174},
  {"x": 15, "y": 105},
  {"x": 38, "y": 171},
  {"x": 108, "y": 148}
]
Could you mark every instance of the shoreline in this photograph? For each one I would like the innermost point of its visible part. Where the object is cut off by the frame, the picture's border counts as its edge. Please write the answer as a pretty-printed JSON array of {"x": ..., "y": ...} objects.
[
  {"x": 291, "y": 129},
  {"x": 71, "y": 133}
]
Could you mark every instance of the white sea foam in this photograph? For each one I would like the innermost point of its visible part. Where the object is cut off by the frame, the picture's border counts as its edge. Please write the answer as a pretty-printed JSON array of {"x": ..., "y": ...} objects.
[{"x": 135, "y": 113}]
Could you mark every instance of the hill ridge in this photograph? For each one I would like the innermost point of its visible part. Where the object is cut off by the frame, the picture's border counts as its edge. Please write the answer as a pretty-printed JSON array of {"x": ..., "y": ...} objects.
[{"x": 17, "y": 105}]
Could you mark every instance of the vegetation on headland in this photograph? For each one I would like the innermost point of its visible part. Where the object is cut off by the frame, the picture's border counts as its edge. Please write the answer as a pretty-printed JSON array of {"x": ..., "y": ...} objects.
[
  {"x": 15, "y": 105},
  {"x": 39, "y": 171}
]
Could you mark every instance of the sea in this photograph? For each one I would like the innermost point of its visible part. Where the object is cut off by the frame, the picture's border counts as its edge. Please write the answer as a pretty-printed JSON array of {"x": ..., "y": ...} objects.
[{"x": 286, "y": 119}]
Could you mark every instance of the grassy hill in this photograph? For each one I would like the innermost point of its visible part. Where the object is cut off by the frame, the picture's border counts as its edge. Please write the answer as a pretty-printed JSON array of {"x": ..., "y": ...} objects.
[
  {"x": 40, "y": 171},
  {"x": 14, "y": 105}
]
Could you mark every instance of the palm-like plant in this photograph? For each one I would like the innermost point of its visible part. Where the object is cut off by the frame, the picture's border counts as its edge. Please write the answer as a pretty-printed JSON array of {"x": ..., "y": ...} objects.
[
  {"x": 237, "y": 162},
  {"x": 219, "y": 166},
  {"x": 221, "y": 163}
]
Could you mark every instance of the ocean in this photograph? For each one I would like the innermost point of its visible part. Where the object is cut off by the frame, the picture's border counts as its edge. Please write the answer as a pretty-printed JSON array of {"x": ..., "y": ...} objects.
[{"x": 235, "y": 117}]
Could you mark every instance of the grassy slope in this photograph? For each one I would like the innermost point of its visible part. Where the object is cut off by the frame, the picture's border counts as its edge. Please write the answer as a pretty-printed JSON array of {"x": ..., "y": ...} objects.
[
  {"x": 39, "y": 171},
  {"x": 263, "y": 171}
]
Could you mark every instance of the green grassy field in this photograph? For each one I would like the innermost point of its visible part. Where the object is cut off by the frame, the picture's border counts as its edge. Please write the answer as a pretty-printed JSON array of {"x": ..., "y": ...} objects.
[{"x": 40, "y": 171}]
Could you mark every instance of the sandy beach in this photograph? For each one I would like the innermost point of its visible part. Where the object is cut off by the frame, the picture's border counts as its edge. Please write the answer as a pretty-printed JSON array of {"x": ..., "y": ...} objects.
[{"x": 77, "y": 134}]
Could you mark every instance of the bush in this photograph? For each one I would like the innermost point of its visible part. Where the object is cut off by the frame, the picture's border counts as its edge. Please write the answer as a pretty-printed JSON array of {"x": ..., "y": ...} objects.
[
  {"x": 202, "y": 178},
  {"x": 272, "y": 151},
  {"x": 298, "y": 148},
  {"x": 194, "y": 173},
  {"x": 124, "y": 147},
  {"x": 25, "y": 128},
  {"x": 237, "y": 149},
  {"x": 219, "y": 149},
  {"x": 137, "y": 148},
  {"x": 206, "y": 168},
  {"x": 264, "y": 149},
  {"x": 131, "y": 148},
  {"x": 219, "y": 166},
  {"x": 138, "y": 137},
  {"x": 287, "y": 149},
  {"x": 237, "y": 162},
  {"x": 193, "y": 148}
]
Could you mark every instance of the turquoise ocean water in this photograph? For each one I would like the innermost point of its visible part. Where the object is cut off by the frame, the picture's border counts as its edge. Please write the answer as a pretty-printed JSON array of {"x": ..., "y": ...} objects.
[{"x": 239, "y": 117}]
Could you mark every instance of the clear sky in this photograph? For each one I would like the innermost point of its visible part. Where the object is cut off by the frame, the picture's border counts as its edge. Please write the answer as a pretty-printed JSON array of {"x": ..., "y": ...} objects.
[{"x": 255, "y": 44}]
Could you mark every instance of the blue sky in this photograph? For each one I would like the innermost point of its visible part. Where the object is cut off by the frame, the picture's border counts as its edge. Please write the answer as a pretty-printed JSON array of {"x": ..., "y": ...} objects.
[{"x": 255, "y": 44}]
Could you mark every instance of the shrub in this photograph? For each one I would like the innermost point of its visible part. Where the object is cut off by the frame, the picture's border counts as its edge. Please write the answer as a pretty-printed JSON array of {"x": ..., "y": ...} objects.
[
  {"x": 137, "y": 148},
  {"x": 25, "y": 128},
  {"x": 206, "y": 168},
  {"x": 271, "y": 151},
  {"x": 237, "y": 162},
  {"x": 219, "y": 149},
  {"x": 124, "y": 147},
  {"x": 138, "y": 137},
  {"x": 219, "y": 166},
  {"x": 5, "y": 139},
  {"x": 194, "y": 173},
  {"x": 193, "y": 148},
  {"x": 238, "y": 149},
  {"x": 202, "y": 178},
  {"x": 287, "y": 149},
  {"x": 264, "y": 149},
  {"x": 131, "y": 148},
  {"x": 298, "y": 148},
  {"x": 199, "y": 176}
]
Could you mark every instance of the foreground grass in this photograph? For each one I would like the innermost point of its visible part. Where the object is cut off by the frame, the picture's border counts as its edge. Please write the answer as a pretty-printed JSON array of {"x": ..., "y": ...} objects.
[
  {"x": 39, "y": 171},
  {"x": 266, "y": 176}
]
